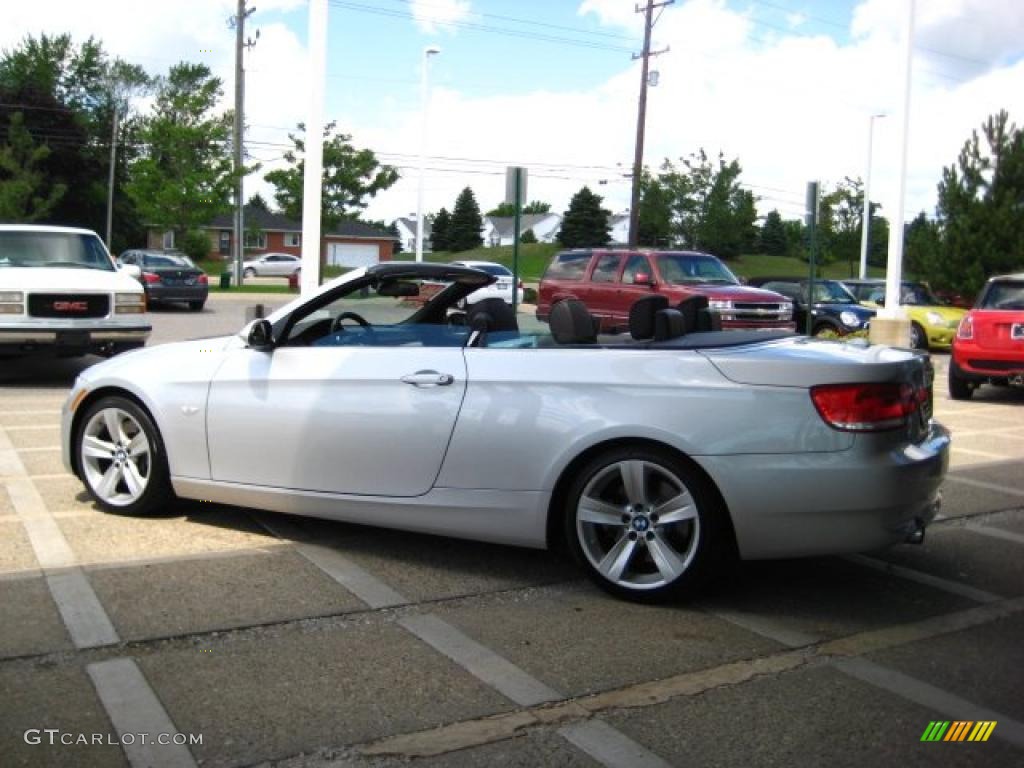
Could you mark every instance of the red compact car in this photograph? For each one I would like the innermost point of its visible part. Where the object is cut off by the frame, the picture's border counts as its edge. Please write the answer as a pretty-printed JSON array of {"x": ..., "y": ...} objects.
[{"x": 989, "y": 344}]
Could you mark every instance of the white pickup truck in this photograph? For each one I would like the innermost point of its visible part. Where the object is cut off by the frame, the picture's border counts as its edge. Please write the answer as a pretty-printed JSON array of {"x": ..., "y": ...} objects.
[{"x": 62, "y": 294}]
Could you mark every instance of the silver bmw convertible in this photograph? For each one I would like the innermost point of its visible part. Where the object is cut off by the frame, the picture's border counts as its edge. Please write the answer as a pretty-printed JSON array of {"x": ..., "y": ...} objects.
[{"x": 653, "y": 458}]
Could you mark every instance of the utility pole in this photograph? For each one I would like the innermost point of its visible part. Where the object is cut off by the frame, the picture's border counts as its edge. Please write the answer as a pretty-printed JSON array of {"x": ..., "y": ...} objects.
[
  {"x": 638, "y": 159},
  {"x": 110, "y": 178},
  {"x": 238, "y": 22}
]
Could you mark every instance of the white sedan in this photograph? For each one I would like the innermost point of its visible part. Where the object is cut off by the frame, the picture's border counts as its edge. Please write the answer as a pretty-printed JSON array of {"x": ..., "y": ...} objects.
[
  {"x": 271, "y": 265},
  {"x": 499, "y": 289},
  {"x": 653, "y": 459}
]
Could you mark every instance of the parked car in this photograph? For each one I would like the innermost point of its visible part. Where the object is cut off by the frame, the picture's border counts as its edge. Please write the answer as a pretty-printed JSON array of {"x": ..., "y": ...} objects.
[
  {"x": 653, "y": 460},
  {"x": 271, "y": 265},
  {"x": 608, "y": 282},
  {"x": 989, "y": 345},
  {"x": 61, "y": 293},
  {"x": 500, "y": 289},
  {"x": 932, "y": 323},
  {"x": 834, "y": 308},
  {"x": 169, "y": 277}
]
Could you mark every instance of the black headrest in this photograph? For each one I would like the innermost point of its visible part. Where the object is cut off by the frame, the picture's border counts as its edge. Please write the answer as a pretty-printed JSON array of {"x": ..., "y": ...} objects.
[
  {"x": 641, "y": 315},
  {"x": 492, "y": 316},
  {"x": 571, "y": 323},
  {"x": 697, "y": 316},
  {"x": 668, "y": 324}
]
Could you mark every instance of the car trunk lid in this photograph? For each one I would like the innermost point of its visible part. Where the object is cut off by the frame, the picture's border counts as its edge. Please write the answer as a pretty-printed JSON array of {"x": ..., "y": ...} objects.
[{"x": 998, "y": 329}]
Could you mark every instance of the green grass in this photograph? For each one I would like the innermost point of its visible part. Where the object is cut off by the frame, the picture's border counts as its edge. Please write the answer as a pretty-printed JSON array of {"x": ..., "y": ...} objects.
[
  {"x": 763, "y": 265},
  {"x": 215, "y": 288}
]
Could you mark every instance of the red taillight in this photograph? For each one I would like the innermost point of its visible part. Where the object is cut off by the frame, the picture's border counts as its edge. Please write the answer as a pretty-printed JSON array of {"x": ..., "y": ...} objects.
[
  {"x": 966, "y": 329},
  {"x": 150, "y": 278},
  {"x": 203, "y": 280},
  {"x": 866, "y": 407}
]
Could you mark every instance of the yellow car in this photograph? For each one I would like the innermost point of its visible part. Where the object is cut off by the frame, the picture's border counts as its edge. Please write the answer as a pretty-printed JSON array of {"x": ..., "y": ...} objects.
[{"x": 932, "y": 323}]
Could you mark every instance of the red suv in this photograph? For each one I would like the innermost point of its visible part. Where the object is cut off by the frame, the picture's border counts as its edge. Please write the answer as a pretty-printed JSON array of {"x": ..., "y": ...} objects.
[
  {"x": 608, "y": 282},
  {"x": 989, "y": 345}
]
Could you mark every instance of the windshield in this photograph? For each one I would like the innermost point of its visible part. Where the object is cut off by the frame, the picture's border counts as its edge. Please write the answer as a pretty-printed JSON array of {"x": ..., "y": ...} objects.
[
  {"x": 918, "y": 294},
  {"x": 53, "y": 249},
  {"x": 692, "y": 269},
  {"x": 831, "y": 292},
  {"x": 166, "y": 260}
]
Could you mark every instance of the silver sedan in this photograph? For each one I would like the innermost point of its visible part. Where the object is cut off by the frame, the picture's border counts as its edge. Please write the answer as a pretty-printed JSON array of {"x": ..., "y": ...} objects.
[
  {"x": 272, "y": 265},
  {"x": 653, "y": 459}
]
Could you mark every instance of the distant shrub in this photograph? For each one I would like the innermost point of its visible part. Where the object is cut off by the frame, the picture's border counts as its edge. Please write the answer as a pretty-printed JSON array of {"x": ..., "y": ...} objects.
[{"x": 196, "y": 245}]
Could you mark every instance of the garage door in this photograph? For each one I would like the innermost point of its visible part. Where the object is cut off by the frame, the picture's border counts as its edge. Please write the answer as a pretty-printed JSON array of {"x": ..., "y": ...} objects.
[{"x": 352, "y": 254}]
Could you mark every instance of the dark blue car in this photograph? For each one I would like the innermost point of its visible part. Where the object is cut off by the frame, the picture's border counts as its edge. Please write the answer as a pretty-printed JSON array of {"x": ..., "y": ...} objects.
[{"x": 834, "y": 308}]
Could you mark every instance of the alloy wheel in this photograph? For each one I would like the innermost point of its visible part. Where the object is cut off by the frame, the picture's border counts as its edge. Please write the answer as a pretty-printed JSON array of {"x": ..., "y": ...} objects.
[
  {"x": 637, "y": 524},
  {"x": 116, "y": 457}
]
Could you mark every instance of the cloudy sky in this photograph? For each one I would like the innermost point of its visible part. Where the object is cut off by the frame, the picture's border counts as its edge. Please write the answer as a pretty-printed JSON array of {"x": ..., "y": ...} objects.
[{"x": 786, "y": 86}]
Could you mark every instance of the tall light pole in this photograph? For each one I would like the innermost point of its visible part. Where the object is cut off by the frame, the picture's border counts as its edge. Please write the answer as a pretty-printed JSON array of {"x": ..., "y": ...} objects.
[
  {"x": 429, "y": 51},
  {"x": 865, "y": 235}
]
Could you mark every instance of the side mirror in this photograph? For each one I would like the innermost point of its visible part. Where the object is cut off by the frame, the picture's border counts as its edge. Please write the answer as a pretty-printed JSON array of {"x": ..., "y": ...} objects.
[
  {"x": 642, "y": 278},
  {"x": 260, "y": 335}
]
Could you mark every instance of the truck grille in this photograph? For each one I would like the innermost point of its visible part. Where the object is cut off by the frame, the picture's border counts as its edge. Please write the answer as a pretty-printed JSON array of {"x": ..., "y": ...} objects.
[
  {"x": 67, "y": 305},
  {"x": 751, "y": 312}
]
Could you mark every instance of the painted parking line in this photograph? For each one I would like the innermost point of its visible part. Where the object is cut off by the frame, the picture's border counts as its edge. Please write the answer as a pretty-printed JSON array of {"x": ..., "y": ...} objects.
[
  {"x": 927, "y": 695},
  {"x": 604, "y": 743},
  {"x": 1008, "y": 490},
  {"x": 135, "y": 711},
  {"x": 765, "y": 626},
  {"x": 983, "y": 454},
  {"x": 995, "y": 533},
  {"x": 946, "y": 585},
  {"x": 83, "y": 615}
]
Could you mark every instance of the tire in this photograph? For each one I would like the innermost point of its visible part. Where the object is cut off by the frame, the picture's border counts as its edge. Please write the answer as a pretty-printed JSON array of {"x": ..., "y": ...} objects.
[
  {"x": 145, "y": 489},
  {"x": 611, "y": 531},
  {"x": 959, "y": 387},
  {"x": 822, "y": 327},
  {"x": 918, "y": 338},
  {"x": 196, "y": 306},
  {"x": 249, "y": 272}
]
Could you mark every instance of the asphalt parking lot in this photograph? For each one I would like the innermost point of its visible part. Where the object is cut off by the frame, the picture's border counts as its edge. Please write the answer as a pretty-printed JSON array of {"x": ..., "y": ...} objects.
[{"x": 279, "y": 640}]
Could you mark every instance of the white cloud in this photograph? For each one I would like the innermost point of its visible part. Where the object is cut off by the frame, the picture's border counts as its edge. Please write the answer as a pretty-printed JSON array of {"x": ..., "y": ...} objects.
[{"x": 434, "y": 15}]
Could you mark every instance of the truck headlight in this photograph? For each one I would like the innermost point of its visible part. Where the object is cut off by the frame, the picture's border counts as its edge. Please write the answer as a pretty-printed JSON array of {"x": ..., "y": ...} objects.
[
  {"x": 12, "y": 303},
  {"x": 129, "y": 303},
  {"x": 719, "y": 304}
]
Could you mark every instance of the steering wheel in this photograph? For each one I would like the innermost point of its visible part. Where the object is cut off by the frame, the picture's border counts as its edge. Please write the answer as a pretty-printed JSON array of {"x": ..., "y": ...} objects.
[{"x": 338, "y": 324}]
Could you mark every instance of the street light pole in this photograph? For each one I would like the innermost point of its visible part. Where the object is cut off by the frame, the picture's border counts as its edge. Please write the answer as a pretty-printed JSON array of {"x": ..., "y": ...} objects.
[
  {"x": 865, "y": 238},
  {"x": 424, "y": 103}
]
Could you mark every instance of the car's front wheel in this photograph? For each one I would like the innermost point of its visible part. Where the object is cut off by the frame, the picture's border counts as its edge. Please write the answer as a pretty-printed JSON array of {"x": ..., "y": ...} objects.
[
  {"x": 644, "y": 524},
  {"x": 121, "y": 458},
  {"x": 249, "y": 272},
  {"x": 918, "y": 338}
]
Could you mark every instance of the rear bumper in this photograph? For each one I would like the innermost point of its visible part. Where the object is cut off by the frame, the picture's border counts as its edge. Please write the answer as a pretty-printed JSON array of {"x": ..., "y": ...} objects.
[
  {"x": 795, "y": 505},
  {"x": 177, "y": 292},
  {"x": 983, "y": 363}
]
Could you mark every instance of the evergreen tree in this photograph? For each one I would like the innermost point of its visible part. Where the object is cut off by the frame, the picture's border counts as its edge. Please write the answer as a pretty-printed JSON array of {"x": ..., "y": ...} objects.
[
  {"x": 463, "y": 232},
  {"x": 773, "y": 235},
  {"x": 655, "y": 220},
  {"x": 258, "y": 202},
  {"x": 585, "y": 224},
  {"x": 980, "y": 212},
  {"x": 439, "y": 231},
  {"x": 25, "y": 193}
]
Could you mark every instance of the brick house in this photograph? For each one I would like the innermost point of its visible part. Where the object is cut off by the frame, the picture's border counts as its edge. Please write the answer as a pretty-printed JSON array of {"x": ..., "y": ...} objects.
[{"x": 350, "y": 244}]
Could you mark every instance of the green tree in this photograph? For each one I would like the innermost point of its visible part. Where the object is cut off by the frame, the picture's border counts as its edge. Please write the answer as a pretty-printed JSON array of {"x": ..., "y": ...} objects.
[
  {"x": 439, "y": 231},
  {"x": 509, "y": 209},
  {"x": 350, "y": 178},
  {"x": 980, "y": 209},
  {"x": 839, "y": 223},
  {"x": 258, "y": 202},
  {"x": 922, "y": 246},
  {"x": 463, "y": 231},
  {"x": 528, "y": 237},
  {"x": 585, "y": 224},
  {"x": 795, "y": 239},
  {"x": 773, "y": 235},
  {"x": 68, "y": 94},
  {"x": 654, "y": 224},
  {"x": 185, "y": 177},
  {"x": 25, "y": 192}
]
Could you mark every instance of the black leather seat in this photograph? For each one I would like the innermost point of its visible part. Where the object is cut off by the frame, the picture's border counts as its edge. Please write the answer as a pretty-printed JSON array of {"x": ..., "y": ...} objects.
[
  {"x": 641, "y": 315},
  {"x": 490, "y": 316},
  {"x": 571, "y": 323}
]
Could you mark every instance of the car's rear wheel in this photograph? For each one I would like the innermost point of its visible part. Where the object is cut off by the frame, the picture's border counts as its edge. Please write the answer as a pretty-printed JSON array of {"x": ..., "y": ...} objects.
[
  {"x": 959, "y": 387},
  {"x": 643, "y": 524},
  {"x": 918, "y": 338},
  {"x": 121, "y": 458}
]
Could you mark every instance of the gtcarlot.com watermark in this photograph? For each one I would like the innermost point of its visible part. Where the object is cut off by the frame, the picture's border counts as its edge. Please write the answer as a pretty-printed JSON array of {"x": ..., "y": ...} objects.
[{"x": 55, "y": 736}]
